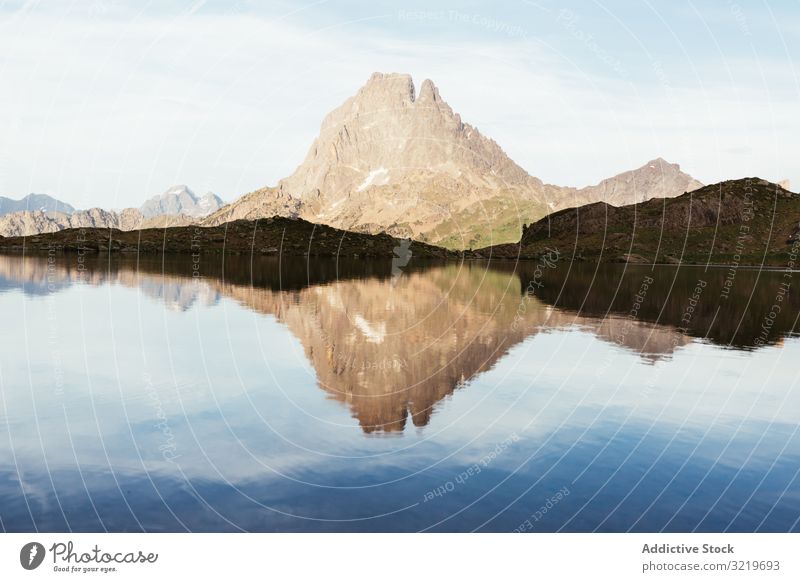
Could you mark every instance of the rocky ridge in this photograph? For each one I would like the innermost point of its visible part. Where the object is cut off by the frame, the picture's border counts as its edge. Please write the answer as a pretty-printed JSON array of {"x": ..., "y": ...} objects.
[{"x": 178, "y": 206}]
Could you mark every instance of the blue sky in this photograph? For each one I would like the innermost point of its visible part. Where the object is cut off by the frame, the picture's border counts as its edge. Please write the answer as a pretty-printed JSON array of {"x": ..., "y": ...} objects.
[{"x": 108, "y": 103}]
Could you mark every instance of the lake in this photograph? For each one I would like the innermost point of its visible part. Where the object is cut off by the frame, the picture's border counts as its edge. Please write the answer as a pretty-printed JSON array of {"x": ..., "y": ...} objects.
[{"x": 234, "y": 394}]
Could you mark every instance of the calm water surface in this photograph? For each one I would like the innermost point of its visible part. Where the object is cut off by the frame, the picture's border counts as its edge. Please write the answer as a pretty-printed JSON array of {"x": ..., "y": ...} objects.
[{"x": 325, "y": 396}]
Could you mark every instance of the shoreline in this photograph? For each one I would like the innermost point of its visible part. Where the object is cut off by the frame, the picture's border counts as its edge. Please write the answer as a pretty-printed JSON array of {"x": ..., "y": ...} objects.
[{"x": 457, "y": 257}]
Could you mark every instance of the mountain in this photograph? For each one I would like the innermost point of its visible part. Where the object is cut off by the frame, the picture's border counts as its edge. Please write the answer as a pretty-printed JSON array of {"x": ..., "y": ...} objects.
[
  {"x": 389, "y": 160},
  {"x": 656, "y": 179},
  {"x": 33, "y": 202},
  {"x": 740, "y": 222},
  {"x": 361, "y": 333},
  {"x": 181, "y": 200},
  {"x": 178, "y": 206},
  {"x": 28, "y": 223}
]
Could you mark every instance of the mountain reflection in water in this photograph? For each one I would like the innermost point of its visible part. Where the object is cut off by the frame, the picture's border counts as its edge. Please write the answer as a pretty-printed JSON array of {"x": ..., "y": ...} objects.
[{"x": 393, "y": 347}]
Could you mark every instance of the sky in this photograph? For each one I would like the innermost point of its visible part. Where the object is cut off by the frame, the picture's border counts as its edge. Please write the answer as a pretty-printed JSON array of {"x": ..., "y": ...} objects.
[{"x": 107, "y": 103}]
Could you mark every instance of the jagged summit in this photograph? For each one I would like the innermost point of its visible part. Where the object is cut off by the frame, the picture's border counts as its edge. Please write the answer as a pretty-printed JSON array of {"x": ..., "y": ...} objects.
[
  {"x": 397, "y": 88},
  {"x": 384, "y": 135},
  {"x": 401, "y": 85},
  {"x": 429, "y": 92},
  {"x": 392, "y": 88}
]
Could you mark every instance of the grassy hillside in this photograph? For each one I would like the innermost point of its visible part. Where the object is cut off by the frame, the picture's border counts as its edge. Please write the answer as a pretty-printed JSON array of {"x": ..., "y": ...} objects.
[
  {"x": 748, "y": 221},
  {"x": 271, "y": 236}
]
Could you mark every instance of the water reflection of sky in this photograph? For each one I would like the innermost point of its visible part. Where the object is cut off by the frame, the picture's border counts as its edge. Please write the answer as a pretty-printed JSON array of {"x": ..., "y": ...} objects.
[{"x": 123, "y": 412}]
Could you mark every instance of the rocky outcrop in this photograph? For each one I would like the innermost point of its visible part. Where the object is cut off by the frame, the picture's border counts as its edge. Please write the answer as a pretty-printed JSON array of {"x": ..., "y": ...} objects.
[{"x": 385, "y": 135}]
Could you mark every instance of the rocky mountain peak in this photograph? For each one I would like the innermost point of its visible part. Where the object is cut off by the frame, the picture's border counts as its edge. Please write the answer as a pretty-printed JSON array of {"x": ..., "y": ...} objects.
[
  {"x": 392, "y": 86},
  {"x": 180, "y": 200},
  {"x": 397, "y": 88},
  {"x": 384, "y": 136},
  {"x": 392, "y": 160}
]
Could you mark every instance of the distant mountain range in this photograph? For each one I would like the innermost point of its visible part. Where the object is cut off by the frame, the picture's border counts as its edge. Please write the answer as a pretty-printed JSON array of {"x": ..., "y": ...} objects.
[
  {"x": 388, "y": 160},
  {"x": 38, "y": 213},
  {"x": 181, "y": 200},
  {"x": 33, "y": 203}
]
